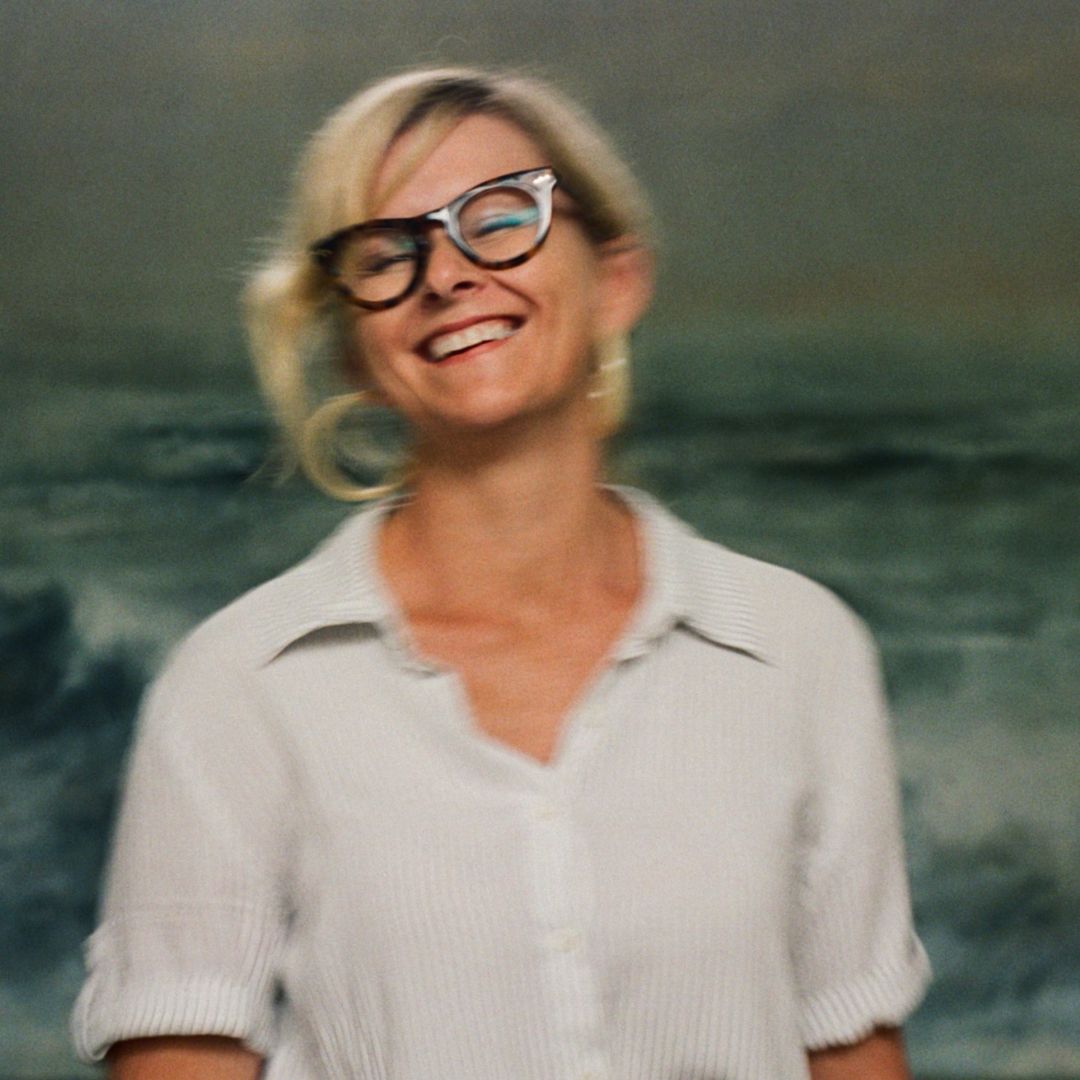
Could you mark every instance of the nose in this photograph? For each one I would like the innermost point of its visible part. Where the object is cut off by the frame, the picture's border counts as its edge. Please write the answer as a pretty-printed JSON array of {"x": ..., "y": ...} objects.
[{"x": 448, "y": 271}]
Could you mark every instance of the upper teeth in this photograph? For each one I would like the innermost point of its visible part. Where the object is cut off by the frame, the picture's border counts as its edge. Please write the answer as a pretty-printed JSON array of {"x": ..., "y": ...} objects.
[{"x": 491, "y": 330}]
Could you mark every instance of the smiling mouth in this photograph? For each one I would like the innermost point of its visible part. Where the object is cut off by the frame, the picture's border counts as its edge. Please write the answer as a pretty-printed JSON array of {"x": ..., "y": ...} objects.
[{"x": 457, "y": 342}]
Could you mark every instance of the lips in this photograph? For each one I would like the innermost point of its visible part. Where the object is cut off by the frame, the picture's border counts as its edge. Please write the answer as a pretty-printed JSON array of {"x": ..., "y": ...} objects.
[{"x": 459, "y": 339}]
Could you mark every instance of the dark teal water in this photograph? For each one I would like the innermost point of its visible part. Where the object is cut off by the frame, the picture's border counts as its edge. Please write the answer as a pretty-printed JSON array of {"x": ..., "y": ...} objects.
[{"x": 952, "y": 526}]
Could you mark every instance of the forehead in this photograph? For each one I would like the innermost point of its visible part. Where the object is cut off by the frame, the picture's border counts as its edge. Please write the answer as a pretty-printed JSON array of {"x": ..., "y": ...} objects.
[{"x": 475, "y": 149}]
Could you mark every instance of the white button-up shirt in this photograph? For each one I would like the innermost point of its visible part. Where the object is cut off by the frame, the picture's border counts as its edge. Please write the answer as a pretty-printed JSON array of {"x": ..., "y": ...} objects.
[{"x": 319, "y": 853}]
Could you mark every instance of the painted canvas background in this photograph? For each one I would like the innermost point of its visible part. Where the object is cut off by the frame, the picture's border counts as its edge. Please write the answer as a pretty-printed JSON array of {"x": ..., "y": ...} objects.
[{"x": 863, "y": 363}]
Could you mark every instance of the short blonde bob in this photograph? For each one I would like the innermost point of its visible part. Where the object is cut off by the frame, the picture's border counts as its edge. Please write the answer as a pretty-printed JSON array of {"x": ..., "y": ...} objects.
[{"x": 293, "y": 314}]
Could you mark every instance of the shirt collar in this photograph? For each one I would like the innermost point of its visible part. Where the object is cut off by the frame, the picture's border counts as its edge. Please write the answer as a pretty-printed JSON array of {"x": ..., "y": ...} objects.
[
  {"x": 688, "y": 581},
  {"x": 692, "y": 582}
]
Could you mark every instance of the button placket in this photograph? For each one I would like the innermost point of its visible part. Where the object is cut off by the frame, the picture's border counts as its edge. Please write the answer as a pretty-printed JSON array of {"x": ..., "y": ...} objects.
[
  {"x": 546, "y": 811},
  {"x": 561, "y": 899},
  {"x": 584, "y": 726},
  {"x": 565, "y": 940}
]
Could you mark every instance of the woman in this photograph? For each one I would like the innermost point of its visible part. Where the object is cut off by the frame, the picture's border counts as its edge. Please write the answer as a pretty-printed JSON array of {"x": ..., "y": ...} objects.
[{"x": 516, "y": 776}]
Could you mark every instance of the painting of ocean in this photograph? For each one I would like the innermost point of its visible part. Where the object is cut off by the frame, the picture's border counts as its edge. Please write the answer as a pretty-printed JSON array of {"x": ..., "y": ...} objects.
[
  {"x": 863, "y": 363},
  {"x": 954, "y": 530}
]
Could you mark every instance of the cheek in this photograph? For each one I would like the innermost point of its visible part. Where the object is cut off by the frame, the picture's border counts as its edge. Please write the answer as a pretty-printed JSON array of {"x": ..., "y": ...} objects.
[
  {"x": 354, "y": 366},
  {"x": 574, "y": 307},
  {"x": 565, "y": 285},
  {"x": 367, "y": 343}
]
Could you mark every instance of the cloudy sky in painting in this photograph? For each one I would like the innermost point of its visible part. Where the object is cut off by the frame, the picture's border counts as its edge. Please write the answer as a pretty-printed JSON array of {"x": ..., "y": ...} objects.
[{"x": 914, "y": 155}]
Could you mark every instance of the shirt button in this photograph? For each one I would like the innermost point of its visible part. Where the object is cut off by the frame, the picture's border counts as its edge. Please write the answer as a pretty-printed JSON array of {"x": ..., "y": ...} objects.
[
  {"x": 566, "y": 940},
  {"x": 547, "y": 811}
]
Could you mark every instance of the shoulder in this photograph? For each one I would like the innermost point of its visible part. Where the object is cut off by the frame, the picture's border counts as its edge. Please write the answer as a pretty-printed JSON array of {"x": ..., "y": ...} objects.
[
  {"x": 234, "y": 635},
  {"x": 819, "y": 654},
  {"x": 758, "y": 607},
  {"x": 328, "y": 587},
  {"x": 795, "y": 617},
  {"x": 211, "y": 694}
]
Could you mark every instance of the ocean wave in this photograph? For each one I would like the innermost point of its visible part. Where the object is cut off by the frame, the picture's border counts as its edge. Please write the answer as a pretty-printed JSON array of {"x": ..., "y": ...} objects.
[
  {"x": 68, "y": 713},
  {"x": 812, "y": 444}
]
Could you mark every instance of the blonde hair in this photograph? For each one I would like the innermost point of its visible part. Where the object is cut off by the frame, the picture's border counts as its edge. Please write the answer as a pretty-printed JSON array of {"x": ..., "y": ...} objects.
[{"x": 293, "y": 313}]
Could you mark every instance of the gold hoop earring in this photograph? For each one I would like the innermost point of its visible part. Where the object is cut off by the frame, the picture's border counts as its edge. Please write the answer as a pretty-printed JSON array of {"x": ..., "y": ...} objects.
[
  {"x": 317, "y": 454},
  {"x": 607, "y": 375},
  {"x": 611, "y": 381}
]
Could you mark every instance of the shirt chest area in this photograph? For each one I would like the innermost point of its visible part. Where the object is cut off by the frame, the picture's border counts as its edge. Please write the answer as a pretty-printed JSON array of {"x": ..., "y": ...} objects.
[{"x": 679, "y": 771}]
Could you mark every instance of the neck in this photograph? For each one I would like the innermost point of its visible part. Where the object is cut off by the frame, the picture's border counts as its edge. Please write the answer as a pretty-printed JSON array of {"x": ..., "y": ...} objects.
[{"x": 518, "y": 520}]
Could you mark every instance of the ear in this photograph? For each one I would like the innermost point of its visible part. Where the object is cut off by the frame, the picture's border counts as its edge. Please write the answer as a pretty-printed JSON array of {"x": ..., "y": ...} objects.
[{"x": 626, "y": 270}]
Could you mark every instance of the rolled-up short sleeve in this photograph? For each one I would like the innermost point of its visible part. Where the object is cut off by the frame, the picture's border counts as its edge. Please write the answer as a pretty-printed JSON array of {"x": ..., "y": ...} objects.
[
  {"x": 858, "y": 961},
  {"x": 194, "y": 914}
]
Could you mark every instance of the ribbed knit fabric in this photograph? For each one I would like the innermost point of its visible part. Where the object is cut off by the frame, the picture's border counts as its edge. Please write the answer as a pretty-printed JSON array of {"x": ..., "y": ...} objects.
[{"x": 320, "y": 854}]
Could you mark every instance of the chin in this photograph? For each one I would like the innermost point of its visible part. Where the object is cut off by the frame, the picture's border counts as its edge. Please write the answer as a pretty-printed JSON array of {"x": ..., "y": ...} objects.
[
  {"x": 478, "y": 421},
  {"x": 497, "y": 417}
]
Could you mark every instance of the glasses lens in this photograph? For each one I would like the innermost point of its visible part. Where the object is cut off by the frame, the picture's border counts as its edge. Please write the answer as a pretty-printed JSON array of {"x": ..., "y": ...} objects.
[
  {"x": 377, "y": 266},
  {"x": 500, "y": 223}
]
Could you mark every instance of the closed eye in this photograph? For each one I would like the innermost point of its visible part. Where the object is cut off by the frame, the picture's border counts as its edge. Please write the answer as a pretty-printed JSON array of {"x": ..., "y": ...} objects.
[
  {"x": 382, "y": 263},
  {"x": 498, "y": 222}
]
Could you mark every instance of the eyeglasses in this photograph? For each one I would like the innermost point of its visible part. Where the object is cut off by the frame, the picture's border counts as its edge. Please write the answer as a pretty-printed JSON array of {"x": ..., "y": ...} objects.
[{"x": 497, "y": 224}]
